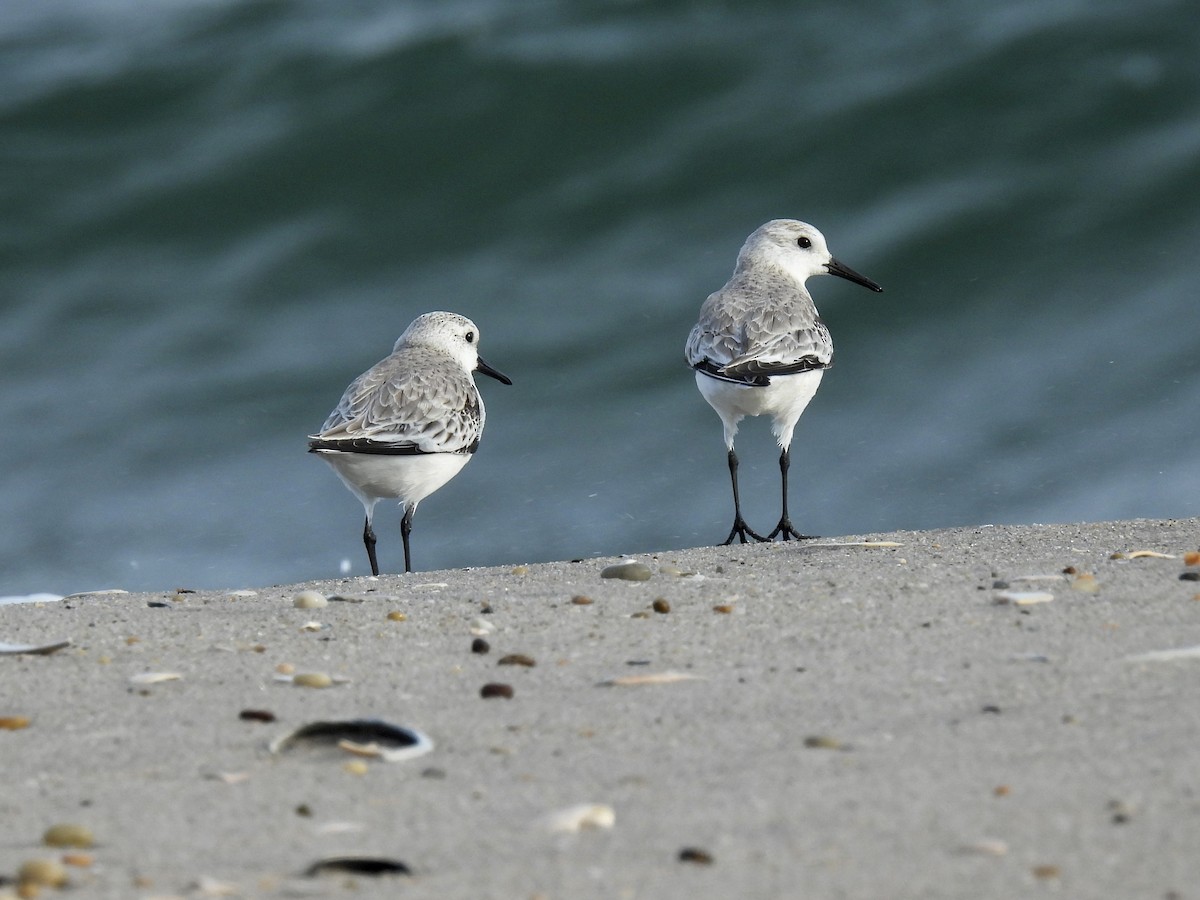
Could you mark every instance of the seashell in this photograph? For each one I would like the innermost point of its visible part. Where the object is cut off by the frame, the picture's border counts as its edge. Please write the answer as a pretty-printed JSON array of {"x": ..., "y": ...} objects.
[
  {"x": 312, "y": 679},
  {"x": 144, "y": 678},
  {"x": 985, "y": 847},
  {"x": 40, "y": 649},
  {"x": 311, "y": 626},
  {"x": 1141, "y": 554},
  {"x": 310, "y": 600},
  {"x": 480, "y": 627},
  {"x": 392, "y": 743},
  {"x": 30, "y": 598},
  {"x": 68, "y": 834},
  {"x": 101, "y": 593},
  {"x": 357, "y": 865},
  {"x": 1021, "y": 598},
  {"x": 650, "y": 678},
  {"x": 1166, "y": 655},
  {"x": 231, "y": 777},
  {"x": 583, "y": 816},
  {"x": 628, "y": 571}
]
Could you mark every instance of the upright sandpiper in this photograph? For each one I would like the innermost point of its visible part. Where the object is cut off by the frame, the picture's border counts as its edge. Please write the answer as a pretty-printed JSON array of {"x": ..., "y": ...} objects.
[
  {"x": 760, "y": 348},
  {"x": 410, "y": 423}
]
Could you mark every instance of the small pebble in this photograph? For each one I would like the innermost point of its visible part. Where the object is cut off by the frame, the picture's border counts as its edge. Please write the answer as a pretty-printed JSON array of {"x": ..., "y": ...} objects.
[
  {"x": 256, "y": 715},
  {"x": 630, "y": 571},
  {"x": 67, "y": 834},
  {"x": 481, "y": 627},
  {"x": 479, "y": 645},
  {"x": 309, "y": 600},
  {"x": 1192, "y": 558},
  {"x": 516, "y": 659},
  {"x": 1046, "y": 872},
  {"x": 822, "y": 742},
  {"x": 723, "y": 608},
  {"x": 42, "y": 873},
  {"x": 285, "y": 668},
  {"x": 312, "y": 680},
  {"x": 1085, "y": 583},
  {"x": 14, "y": 723},
  {"x": 495, "y": 689},
  {"x": 396, "y": 616},
  {"x": 356, "y": 767},
  {"x": 520, "y": 570},
  {"x": 1002, "y": 790},
  {"x": 696, "y": 855},
  {"x": 1190, "y": 576},
  {"x": 78, "y": 860},
  {"x": 581, "y": 600},
  {"x": 661, "y": 606}
]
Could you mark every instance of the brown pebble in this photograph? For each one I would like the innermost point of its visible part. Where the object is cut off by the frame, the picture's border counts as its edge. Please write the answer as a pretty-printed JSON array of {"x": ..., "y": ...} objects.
[
  {"x": 479, "y": 645},
  {"x": 495, "y": 689},
  {"x": 1046, "y": 871},
  {"x": 67, "y": 834},
  {"x": 1001, "y": 790},
  {"x": 257, "y": 715},
  {"x": 1191, "y": 558},
  {"x": 723, "y": 608},
  {"x": 516, "y": 659},
  {"x": 1069, "y": 570},
  {"x": 1190, "y": 576},
  {"x": 396, "y": 616},
  {"x": 581, "y": 600},
  {"x": 14, "y": 723},
  {"x": 661, "y": 606},
  {"x": 78, "y": 860},
  {"x": 696, "y": 855}
]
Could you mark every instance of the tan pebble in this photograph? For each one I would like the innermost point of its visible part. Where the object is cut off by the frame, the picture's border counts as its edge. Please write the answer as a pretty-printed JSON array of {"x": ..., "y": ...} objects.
[
  {"x": 661, "y": 606},
  {"x": 68, "y": 834},
  {"x": 641, "y": 614},
  {"x": 520, "y": 570},
  {"x": 1046, "y": 871},
  {"x": 133, "y": 639},
  {"x": 78, "y": 860},
  {"x": 27, "y": 890},
  {"x": 396, "y": 616},
  {"x": 630, "y": 571},
  {"x": 356, "y": 767},
  {"x": 42, "y": 872},
  {"x": 312, "y": 680},
  {"x": 14, "y": 723},
  {"x": 1001, "y": 790},
  {"x": 516, "y": 659},
  {"x": 1085, "y": 583},
  {"x": 1191, "y": 558},
  {"x": 104, "y": 660},
  {"x": 822, "y": 742},
  {"x": 723, "y": 608},
  {"x": 310, "y": 600},
  {"x": 285, "y": 668},
  {"x": 581, "y": 600}
]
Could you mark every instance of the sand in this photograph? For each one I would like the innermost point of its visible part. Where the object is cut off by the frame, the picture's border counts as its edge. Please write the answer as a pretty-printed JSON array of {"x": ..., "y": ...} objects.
[{"x": 854, "y": 721}]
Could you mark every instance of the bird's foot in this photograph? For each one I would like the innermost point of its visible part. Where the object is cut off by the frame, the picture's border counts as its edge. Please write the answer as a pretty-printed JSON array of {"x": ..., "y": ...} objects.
[
  {"x": 788, "y": 533},
  {"x": 743, "y": 533}
]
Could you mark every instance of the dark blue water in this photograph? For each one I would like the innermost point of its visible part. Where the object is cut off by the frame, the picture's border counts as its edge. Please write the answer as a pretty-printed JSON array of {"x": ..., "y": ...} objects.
[{"x": 213, "y": 215}]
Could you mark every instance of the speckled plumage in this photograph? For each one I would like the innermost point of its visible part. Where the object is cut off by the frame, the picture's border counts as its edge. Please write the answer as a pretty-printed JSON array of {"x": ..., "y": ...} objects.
[
  {"x": 408, "y": 424},
  {"x": 759, "y": 347}
]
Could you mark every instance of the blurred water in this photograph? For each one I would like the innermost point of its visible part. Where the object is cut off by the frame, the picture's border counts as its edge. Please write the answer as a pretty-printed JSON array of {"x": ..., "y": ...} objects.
[{"x": 214, "y": 214}]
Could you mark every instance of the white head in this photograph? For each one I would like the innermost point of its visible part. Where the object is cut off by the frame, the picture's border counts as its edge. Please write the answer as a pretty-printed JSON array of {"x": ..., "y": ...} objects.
[
  {"x": 452, "y": 334},
  {"x": 798, "y": 249}
]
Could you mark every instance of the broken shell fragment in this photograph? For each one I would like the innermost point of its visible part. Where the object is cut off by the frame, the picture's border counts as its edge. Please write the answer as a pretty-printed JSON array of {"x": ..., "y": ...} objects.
[
  {"x": 357, "y": 865},
  {"x": 144, "y": 678},
  {"x": 649, "y": 678},
  {"x": 7, "y": 649},
  {"x": 388, "y": 742},
  {"x": 312, "y": 679},
  {"x": 1141, "y": 554},
  {"x": 581, "y": 817},
  {"x": 310, "y": 600},
  {"x": 1022, "y": 598},
  {"x": 480, "y": 627}
]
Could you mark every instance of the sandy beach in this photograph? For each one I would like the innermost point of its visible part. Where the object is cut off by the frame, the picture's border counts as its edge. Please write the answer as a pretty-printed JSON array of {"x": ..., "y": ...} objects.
[{"x": 988, "y": 712}]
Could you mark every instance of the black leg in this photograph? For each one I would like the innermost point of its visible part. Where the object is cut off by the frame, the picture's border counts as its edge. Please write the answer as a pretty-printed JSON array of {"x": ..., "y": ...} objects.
[
  {"x": 740, "y": 529},
  {"x": 405, "y": 531},
  {"x": 369, "y": 540},
  {"x": 784, "y": 527}
]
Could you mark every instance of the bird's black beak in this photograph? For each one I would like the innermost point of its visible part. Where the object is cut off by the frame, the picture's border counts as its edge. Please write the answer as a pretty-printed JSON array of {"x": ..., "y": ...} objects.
[
  {"x": 842, "y": 271},
  {"x": 481, "y": 366}
]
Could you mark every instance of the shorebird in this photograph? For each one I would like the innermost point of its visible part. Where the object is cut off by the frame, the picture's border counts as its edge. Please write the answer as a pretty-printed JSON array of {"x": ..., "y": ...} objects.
[
  {"x": 760, "y": 348},
  {"x": 411, "y": 422}
]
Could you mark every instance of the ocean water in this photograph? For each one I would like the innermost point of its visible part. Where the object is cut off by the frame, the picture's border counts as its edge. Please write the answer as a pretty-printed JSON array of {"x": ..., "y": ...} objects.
[{"x": 214, "y": 214}]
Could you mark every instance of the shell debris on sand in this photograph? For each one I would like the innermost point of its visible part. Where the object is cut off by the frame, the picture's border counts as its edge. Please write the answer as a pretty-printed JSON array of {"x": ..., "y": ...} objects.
[
  {"x": 7, "y": 649},
  {"x": 1021, "y": 598},
  {"x": 581, "y": 817},
  {"x": 310, "y": 600},
  {"x": 373, "y": 738},
  {"x": 145, "y": 678},
  {"x": 68, "y": 834},
  {"x": 650, "y": 678},
  {"x": 630, "y": 570},
  {"x": 1166, "y": 655}
]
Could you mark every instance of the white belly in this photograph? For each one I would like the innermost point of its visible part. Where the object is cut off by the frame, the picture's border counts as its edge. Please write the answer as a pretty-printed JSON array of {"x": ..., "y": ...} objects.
[
  {"x": 784, "y": 399},
  {"x": 409, "y": 479}
]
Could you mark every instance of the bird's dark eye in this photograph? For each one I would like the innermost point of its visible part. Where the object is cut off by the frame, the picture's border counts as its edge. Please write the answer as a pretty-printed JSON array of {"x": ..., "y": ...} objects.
[
  {"x": 803, "y": 243},
  {"x": 470, "y": 337}
]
